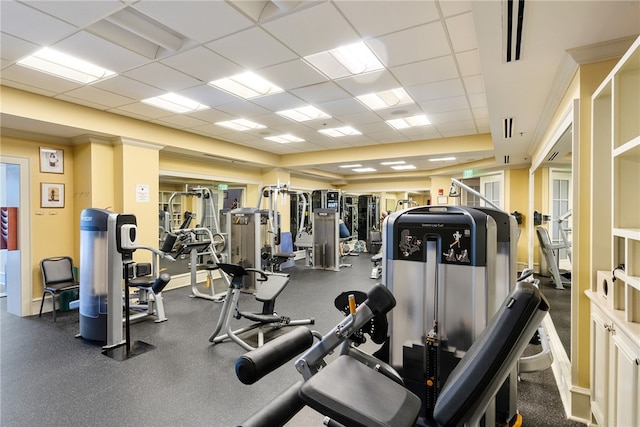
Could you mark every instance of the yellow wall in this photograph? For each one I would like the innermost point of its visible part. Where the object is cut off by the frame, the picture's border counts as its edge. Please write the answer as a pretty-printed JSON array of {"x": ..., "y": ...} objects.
[{"x": 516, "y": 182}]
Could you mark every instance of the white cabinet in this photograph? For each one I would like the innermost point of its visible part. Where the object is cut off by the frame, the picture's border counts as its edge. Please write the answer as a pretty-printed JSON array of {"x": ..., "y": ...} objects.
[
  {"x": 615, "y": 367},
  {"x": 174, "y": 211},
  {"x": 615, "y": 245}
]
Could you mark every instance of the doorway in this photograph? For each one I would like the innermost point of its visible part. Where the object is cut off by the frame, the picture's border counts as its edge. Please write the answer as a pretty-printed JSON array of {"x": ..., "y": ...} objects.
[{"x": 15, "y": 269}]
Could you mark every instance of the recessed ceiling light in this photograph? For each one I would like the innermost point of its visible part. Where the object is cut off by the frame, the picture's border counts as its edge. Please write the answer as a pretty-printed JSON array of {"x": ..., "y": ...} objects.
[
  {"x": 284, "y": 139},
  {"x": 357, "y": 165},
  {"x": 395, "y": 162},
  {"x": 363, "y": 170},
  {"x": 403, "y": 167},
  {"x": 345, "y": 61},
  {"x": 442, "y": 159},
  {"x": 60, "y": 64},
  {"x": 408, "y": 122},
  {"x": 303, "y": 114},
  {"x": 246, "y": 85},
  {"x": 338, "y": 132},
  {"x": 240, "y": 124},
  {"x": 385, "y": 99},
  {"x": 175, "y": 103}
]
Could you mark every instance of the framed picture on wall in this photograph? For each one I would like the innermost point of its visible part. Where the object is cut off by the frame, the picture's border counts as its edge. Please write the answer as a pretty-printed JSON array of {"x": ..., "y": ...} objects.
[
  {"x": 51, "y": 160},
  {"x": 51, "y": 195}
]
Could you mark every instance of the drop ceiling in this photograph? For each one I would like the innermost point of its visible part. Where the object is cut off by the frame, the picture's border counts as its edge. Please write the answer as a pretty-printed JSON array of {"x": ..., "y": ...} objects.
[{"x": 449, "y": 56}]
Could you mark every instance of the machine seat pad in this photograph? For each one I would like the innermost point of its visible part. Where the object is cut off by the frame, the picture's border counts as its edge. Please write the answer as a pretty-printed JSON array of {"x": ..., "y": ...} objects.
[
  {"x": 284, "y": 255},
  {"x": 141, "y": 282},
  {"x": 259, "y": 317},
  {"x": 270, "y": 289},
  {"x": 377, "y": 257},
  {"x": 356, "y": 395}
]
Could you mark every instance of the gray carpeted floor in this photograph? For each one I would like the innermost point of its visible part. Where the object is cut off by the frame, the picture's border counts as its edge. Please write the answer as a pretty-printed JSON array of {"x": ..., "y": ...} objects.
[{"x": 50, "y": 378}]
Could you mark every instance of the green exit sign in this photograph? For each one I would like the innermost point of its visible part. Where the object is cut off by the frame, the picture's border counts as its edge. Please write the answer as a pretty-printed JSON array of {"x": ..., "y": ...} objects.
[
  {"x": 467, "y": 173},
  {"x": 223, "y": 186}
]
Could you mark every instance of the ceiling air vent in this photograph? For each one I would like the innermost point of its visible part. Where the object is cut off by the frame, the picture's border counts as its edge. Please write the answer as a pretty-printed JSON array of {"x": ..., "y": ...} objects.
[
  {"x": 553, "y": 156},
  {"x": 512, "y": 21},
  {"x": 507, "y": 128},
  {"x": 506, "y": 160}
]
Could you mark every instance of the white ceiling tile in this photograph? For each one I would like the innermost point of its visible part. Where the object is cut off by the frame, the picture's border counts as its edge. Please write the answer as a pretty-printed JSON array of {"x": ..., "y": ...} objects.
[
  {"x": 242, "y": 109},
  {"x": 79, "y": 13},
  {"x": 252, "y": 49},
  {"x": 462, "y": 32},
  {"x": 312, "y": 30},
  {"x": 469, "y": 62},
  {"x": 34, "y": 78},
  {"x": 100, "y": 52},
  {"x": 125, "y": 86},
  {"x": 32, "y": 25},
  {"x": 292, "y": 74},
  {"x": 480, "y": 113},
  {"x": 474, "y": 84},
  {"x": 162, "y": 77},
  {"x": 26, "y": 88},
  {"x": 278, "y": 101},
  {"x": 14, "y": 49},
  {"x": 363, "y": 84},
  {"x": 428, "y": 71},
  {"x": 451, "y": 116},
  {"x": 101, "y": 97},
  {"x": 181, "y": 121},
  {"x": 384, "y": 17},
  {"x": 144, "y": 111},
  {"x": 202, "y": 21},
  {"x": 202, "y": 63},
  {"x": 478, "y": 100},
  {"x": 408, "y": 110},
  {"x": 361, "y": 119},
  {"x": 450, "y": 8},
  {"x": 431, "y": 91},
  {"x": 412, "y": 45},
  {"x": 321, "y": 92},
  {"x": 341, "y": 107},
  {"x": 444, "y": 104},
  {"x": 208, "y": 95},
  {"x": 82, "y": 101}
]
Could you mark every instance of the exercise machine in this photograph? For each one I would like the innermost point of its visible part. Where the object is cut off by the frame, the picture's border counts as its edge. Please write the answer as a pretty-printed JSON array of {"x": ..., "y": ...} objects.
[
  {"x": 357, "y": 389},
  {"x": 203, "y": 248},
  {"x": 271, "y": 285},
  {"x": 107, "y": 243}
]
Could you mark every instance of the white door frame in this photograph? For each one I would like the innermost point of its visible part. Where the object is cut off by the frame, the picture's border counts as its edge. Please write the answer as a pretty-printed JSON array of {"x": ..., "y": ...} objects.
[{"x": 23, "y": 308}]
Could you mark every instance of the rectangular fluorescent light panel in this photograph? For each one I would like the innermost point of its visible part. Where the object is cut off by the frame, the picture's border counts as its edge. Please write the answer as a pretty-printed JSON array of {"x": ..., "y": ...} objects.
[
  {"x": 350, "y": 166},
  {"x": 175, "y": 103},
  {"x": 363, "y": 170},
  {"x": 284, "y": 139},
  {"x": 409, "y": 122},
  {"x": 403, "y": 167},
  {"x": 304, "y": 114},
  {"x": 395, "y": 162},
  {"x": 442, "y": 159},
  {"x": 246, "y": 85},
  {"x": 240, "y": 124},
  {"x": 345, "y": 61},
  {"x": 385, "y": 99},
  {"x": 338, "y": 132},
  {"x": 60, "y": 64}
]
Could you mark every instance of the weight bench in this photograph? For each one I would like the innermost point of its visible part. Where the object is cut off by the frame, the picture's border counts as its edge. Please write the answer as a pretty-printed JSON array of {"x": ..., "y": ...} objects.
[
  {"x": 355, "y": 393},
  {"x": 271, "y": 285}
]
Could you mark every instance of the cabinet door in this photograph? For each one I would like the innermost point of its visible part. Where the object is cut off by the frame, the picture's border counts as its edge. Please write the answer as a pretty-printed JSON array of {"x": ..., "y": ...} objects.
[
  {"x": 600, "y": 337},
  {"x": 625, "y": 375}
]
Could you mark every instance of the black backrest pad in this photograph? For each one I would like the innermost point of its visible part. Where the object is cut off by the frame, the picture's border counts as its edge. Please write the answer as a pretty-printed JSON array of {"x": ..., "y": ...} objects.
[
  {"x": 252, "y": 366},
  {"x": 485, "y": 358}
]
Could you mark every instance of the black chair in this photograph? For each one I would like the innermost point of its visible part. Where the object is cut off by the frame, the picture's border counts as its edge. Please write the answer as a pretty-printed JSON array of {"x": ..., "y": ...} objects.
[{"x": 57, "y": 277}]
